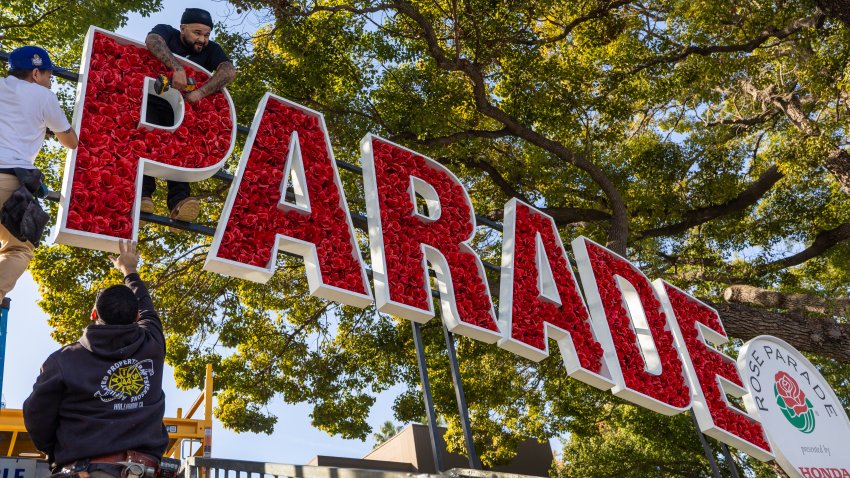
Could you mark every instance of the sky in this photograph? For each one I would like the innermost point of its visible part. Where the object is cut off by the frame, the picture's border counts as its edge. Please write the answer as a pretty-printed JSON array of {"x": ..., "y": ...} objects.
[{"x": 28, "y": 343}]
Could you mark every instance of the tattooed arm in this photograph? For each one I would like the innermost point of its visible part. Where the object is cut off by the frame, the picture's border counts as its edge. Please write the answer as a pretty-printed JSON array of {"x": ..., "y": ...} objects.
[
  {"x": 157, "y": 46},
  {"x": 224, "y": 74},
  {"x": 67, "y": 138}
]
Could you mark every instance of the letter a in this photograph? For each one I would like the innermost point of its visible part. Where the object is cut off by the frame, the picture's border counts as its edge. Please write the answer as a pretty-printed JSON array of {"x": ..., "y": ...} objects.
[
  {"x": 288, "y": 144},
  {"x": 540, "y": 298}
]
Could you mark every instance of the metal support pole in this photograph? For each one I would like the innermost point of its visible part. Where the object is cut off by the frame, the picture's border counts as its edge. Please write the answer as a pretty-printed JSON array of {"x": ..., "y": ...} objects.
[
  {"x": 429, "y": 400},
  {"x": 4, "y": 322},
  {"x": 709, "y": 454},
  {"x": 731, "y": 462},
  {"x": 461, "y": 401}
]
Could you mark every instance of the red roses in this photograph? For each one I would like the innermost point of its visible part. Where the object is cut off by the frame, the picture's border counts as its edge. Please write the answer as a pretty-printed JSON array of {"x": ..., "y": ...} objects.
[
  {"x": 710, "y": 364},
  {"x": 255, "y": 220},
  {"x": 669, "y": 386},
  {"x": 529, "y": 312},
  {"x": 112, "y": 143},
  {"x": 404, "y": 234}
]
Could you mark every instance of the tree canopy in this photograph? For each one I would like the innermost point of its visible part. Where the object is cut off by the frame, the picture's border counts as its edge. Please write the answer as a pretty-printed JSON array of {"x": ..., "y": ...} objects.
[{"x": 704, "y": 140}]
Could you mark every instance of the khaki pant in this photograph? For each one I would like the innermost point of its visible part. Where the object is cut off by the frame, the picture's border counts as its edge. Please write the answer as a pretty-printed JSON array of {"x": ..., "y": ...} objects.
[{"x": 14, "y": 254}]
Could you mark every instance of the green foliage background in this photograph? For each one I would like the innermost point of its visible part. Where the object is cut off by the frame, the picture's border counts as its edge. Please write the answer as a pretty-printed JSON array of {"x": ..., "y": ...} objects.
[{"x": 700, "y": 138}]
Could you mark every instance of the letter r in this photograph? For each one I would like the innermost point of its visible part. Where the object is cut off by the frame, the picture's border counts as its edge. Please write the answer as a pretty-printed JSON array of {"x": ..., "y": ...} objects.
[{"x": 420, "y": 213}]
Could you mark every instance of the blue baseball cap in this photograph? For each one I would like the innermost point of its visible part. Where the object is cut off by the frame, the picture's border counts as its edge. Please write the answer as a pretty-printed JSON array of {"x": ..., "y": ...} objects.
[{"x": 29, "y": 57}]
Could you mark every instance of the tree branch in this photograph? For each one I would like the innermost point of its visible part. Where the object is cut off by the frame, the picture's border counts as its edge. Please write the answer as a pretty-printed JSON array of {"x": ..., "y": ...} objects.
[
  {"x": 564, "y": 216},
  {"x": 618, "y": 233},
  {"x": 35, "y": 21},
  {"x": 821, "y": 336},
  {"x": 752, "y": 121},
  {"x": 743, "y": 200},
  {"x": 824, "y": 241},
  {"x": 836, "y": 9},
  {"x": 747, "y": 294},
  {"x": 837, "y": 160},
  {"x": 594, "y": 14},
  {"x": 747, "y": 47},
  {"x": 451, "y": 138},
  {"x": 500, "y": 180}
]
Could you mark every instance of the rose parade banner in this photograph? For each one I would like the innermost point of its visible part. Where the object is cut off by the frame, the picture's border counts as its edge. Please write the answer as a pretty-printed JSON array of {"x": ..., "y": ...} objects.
[
  {"x": 806, "y": 423},
  {"x": 649, "y": 342}
]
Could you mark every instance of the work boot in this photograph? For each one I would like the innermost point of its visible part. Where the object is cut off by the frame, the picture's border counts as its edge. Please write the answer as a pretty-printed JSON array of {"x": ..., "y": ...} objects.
[
  {"x": 146, "y": 205},
  {"x": 186, "y": 210}
]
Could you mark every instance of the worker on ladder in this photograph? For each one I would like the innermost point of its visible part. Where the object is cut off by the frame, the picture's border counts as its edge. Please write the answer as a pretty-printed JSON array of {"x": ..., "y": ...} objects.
[{"x": 30, "y": 112}]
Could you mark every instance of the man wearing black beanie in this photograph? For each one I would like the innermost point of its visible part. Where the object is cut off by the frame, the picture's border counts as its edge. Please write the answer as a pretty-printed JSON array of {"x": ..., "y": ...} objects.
[{"x": 192, "y": 42}]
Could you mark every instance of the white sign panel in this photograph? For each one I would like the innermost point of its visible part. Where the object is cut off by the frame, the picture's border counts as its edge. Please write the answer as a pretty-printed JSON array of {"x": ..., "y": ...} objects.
[
  {"x": 17, "y": 468},
  {"x": 804, "y": 421}
]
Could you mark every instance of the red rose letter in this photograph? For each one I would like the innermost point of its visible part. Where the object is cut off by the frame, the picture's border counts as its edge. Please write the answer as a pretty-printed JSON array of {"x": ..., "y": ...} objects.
[
  {"x": 100, "y": 193},
  {"x": 288, "y": 149},
  {"x": 403, "y": 236},
  {"x": 647, "y": 368},
  {"x": 712, "y": 374},
  {"x": 540, "y": 298}
]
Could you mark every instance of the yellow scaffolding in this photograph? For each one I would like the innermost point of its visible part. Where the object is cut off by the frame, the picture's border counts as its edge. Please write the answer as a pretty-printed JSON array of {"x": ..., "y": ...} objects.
[{"x": 15, "y": 441}]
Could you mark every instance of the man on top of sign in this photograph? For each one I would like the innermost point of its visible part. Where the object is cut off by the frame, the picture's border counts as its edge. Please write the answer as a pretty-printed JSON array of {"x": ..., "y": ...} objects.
[
  {"x": 99, "y": 402},
  {"x": 30, "y": 112},
  {"x": 193, "y": 42}
]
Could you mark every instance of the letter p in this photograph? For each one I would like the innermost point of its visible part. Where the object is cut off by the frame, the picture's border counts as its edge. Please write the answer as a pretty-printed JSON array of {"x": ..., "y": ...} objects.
[{"x": 100, "y": 195}]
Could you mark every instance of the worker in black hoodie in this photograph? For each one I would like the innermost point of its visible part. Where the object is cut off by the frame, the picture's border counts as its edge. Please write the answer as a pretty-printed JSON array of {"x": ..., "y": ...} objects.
[{"x": 99, "y": 401}]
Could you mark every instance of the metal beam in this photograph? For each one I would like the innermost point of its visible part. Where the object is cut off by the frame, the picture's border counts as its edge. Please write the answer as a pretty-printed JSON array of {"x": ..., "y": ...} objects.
[
  {"x": 4, "y": 323},
  {"x": 709, "y": 453},
  {"x": 730, "y": 462},
  {"x": 474, "y": 463},
  {"x": 429, "y": 400}
]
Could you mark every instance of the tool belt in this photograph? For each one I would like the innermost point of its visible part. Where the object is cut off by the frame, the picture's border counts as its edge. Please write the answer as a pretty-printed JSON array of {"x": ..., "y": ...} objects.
[
  {"x": 21, "y": 214},
  {"x": 124, "y": 464}
]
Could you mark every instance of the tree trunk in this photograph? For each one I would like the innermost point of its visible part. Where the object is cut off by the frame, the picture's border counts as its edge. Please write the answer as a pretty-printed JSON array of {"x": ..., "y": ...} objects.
[
  {"x": 747, "y": 294},
  {"x": 838, "y": 163},
  {"x": 820, "y": 336}
]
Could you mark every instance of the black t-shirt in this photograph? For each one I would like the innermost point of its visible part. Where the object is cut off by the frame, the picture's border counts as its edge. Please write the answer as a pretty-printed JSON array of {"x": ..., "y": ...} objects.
[
  {"x": 210, "y": 57},
  {"x": 159, "y": 110}
]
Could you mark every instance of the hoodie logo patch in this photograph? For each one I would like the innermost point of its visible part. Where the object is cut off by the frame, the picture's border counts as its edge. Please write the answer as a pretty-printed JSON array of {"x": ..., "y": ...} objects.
[{"x": 127, "y": 381}]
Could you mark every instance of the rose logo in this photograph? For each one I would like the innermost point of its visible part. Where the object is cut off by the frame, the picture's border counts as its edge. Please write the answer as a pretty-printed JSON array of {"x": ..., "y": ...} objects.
[{"x": 793, "y": 403}]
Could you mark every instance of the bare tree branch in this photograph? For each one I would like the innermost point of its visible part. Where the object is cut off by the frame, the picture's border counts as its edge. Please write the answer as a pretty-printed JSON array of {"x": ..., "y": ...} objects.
[
  {"x": 747, "y": 294},
  {"x": 822, "y": 336}
]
